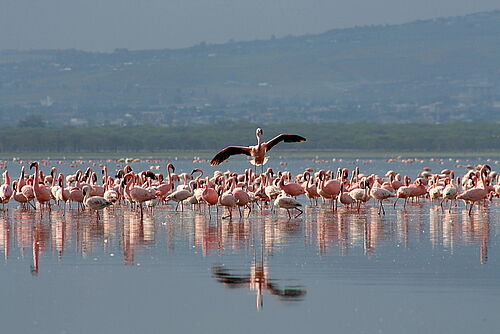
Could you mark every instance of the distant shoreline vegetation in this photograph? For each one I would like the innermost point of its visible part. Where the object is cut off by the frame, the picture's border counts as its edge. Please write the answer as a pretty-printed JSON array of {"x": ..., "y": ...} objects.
[{"x": 450, "y": 137}]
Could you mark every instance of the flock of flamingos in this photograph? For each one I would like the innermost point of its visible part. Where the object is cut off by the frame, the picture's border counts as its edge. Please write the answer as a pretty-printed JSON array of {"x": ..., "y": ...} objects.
[{"x": 244, "y": 191}]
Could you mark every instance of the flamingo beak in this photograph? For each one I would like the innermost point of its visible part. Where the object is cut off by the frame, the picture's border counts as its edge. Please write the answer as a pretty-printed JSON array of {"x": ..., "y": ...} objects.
[{"x": 33, "y": 164}]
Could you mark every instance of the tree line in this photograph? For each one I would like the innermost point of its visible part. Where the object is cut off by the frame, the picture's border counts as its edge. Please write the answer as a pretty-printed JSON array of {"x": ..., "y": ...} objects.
[{"x": 456, "y": 137}]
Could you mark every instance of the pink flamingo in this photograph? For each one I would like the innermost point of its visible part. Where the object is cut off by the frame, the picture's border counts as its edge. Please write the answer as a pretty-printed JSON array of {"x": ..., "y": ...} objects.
[
  {"x": 257, "y": 152},
  {"x": 403, "y": 192},
  {"x": 328, "y": 189},
  {"x": 291, "y": 188},
  {"x": 62, "y": 193},
  {"x": 475, "y": 194},
  {"x": 18, "y": 195},
  {"x": 76, "y": 192},
  {"x": 136, "y": 193},
  {"x": 227, "y": 199},
  {"x": 41, "y": 191},
  {"x": 380, "y": 194},
  {"x": 242, "y": 199},
  {"x": 209, "y": 195},
  {"x": 165, "y": 187},
  {"x": 310, "y": 188},
  {"x": 6, "y": 189}
]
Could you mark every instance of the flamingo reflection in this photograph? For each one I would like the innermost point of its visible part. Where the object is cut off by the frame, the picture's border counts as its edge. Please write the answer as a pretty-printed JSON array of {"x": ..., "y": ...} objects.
[{"x": 258, "y": 281}]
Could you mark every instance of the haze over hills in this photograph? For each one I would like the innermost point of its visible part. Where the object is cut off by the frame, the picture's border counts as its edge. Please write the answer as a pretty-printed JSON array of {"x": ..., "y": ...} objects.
[{"x": 438, "y": 70}]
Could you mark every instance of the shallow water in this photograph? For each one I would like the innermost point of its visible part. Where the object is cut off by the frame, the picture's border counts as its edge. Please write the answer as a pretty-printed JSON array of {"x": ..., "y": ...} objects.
[{"x": 418, "y": 270}]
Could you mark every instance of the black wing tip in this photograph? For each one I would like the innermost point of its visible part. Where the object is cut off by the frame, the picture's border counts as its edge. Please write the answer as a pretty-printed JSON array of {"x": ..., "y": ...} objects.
[{"x": 294, "y": 138}]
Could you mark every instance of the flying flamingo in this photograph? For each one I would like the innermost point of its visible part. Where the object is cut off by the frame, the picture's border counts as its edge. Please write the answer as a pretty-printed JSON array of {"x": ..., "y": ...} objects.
[{"x": 257, "y": 152}]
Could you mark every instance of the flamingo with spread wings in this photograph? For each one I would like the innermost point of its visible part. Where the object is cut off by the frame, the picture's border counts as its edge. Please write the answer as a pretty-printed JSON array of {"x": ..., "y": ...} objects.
[{"x": 258, "y": 152}]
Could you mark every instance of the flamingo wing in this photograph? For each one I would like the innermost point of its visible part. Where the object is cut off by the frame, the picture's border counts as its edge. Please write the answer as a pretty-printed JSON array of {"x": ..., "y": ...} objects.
[
  {"x": 229, "y": 151},
  {"x": 287, "y": 138}
]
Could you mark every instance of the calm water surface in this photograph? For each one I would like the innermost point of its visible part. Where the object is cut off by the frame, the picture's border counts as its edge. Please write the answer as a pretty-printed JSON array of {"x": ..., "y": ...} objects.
[{"x": 411, "y": 271}]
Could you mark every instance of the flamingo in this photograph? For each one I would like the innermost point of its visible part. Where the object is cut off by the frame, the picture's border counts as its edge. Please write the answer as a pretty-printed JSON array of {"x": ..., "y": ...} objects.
[
  {"x": 76, "y": 193},
  {"x": 450, "y": 192},
  {"x": 41, "y": 191},
  {"x": 164, "y": 188},
  {"x": 6, "y": 189},
  {"x": 476, "y": 194},
  {"x": 209, "y": 195},
  {"x": 310, "y": 188},
  {"x": 227, "y": 199},
  {"x": 380, "y": 194},
  {"x": 137, "y": 194},
  {"x": 110, "y": 194},
  {"x": 288, "y": 203},
  {"x": 242, "y": 199},
  {"x": 62, "y": 193},
  {"x": 95, "y": 203},
  {"x": 345, "y": 198},
  {"x": 257, "y": 152},
  {"x": 291, "y": 188},
  {"x": 328, "y": 189},
  {"x": 181, "y": 195},
  {"x": 403, "y": 192},
  {"x": 360, "y": 194}
]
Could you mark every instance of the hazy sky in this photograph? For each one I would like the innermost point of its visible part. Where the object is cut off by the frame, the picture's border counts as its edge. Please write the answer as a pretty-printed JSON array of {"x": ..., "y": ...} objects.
[{"x": 103, "y": 25}]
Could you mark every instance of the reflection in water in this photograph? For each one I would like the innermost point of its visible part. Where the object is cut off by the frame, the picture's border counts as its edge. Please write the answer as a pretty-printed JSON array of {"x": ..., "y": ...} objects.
[
  {"x": 258, "y": 279},
  {"x": 122, "y": 231}
]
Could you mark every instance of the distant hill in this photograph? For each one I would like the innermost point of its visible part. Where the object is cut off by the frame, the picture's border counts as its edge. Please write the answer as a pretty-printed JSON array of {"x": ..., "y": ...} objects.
[{"x": 437, "y": 70}]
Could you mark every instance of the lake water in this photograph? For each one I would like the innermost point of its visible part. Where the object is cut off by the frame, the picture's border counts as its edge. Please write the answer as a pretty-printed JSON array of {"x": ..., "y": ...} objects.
[{"x": 417, "y": 270}]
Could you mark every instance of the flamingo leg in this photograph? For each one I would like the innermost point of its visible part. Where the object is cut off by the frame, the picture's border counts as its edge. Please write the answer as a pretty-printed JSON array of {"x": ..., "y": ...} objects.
[{"x": 470, "y": 210}]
